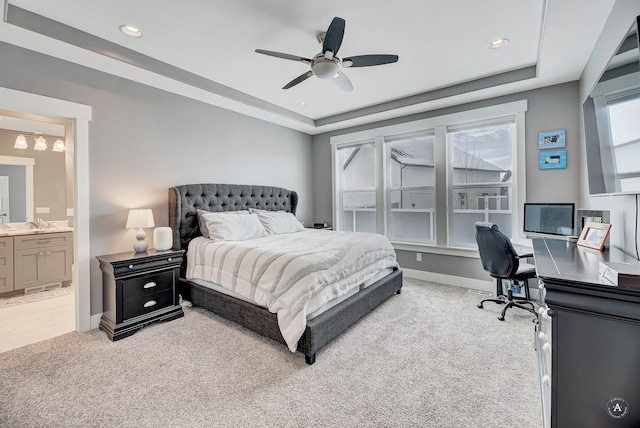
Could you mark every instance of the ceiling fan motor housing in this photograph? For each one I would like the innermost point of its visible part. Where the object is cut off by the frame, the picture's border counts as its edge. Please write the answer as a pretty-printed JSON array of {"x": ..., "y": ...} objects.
[{"x": 324, "y": 68}]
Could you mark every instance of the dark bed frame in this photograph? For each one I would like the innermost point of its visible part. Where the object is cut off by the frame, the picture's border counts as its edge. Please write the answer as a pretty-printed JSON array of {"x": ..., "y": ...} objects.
[{"x": 185, "y": 200}]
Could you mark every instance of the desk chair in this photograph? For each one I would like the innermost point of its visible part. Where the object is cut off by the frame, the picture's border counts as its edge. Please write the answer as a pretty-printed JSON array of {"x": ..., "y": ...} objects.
[{"x": 500, "y": 259}]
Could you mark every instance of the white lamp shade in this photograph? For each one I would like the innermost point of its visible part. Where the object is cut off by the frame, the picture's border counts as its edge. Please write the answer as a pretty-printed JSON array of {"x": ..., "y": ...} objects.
[
  {"x": 162, "y": 237},
  {"x": 58, "y": 146},
  {"x": 140, "y": 218},
  {"x": 21, "y": 142},
  {"x": 41, "y": 143}
]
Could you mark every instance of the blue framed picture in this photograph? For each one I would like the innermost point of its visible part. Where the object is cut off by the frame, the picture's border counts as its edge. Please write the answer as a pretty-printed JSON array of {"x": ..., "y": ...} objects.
[
  {"x": 553, "y": 160},
  {"x": 552, "y": 139}
]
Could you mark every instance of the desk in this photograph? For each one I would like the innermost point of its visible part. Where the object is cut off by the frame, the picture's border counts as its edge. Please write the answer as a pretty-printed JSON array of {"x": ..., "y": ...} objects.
[{"x": 588, "y": 339}]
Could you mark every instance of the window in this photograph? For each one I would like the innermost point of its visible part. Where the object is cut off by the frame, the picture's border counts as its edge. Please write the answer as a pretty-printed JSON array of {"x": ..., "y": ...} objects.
[
  {"x": 427, "y": 182},
  {"x": 411, "y": 183},
  {"x": 358, "y": 187},
  {"x": 480, "y": 167},
  {"x": 625, "y": 140}
]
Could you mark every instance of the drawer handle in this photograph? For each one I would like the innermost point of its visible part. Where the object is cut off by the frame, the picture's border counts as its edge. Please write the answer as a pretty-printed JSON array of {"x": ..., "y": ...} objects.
[
  {"x": 149, "y": 285},
  {"x": 130, "y": 266},
  {"x": 169, "y": 259},
  {"x": 150, "y": 303},
  {"x": 44, "y": 242}
]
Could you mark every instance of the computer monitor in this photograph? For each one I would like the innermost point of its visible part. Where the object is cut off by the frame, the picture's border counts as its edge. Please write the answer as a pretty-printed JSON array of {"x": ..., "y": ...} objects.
[{"x": 549, "y": 219}]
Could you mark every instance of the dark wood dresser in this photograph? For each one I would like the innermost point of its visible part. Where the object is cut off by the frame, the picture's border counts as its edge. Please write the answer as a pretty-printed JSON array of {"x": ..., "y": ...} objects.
[
  {"x": 588, "y": 337},
  {"x": 138, "y": 289}
]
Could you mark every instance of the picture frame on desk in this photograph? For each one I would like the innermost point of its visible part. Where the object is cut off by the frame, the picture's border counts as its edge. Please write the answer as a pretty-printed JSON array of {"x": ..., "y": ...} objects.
[{"x": 594, "y": 235}]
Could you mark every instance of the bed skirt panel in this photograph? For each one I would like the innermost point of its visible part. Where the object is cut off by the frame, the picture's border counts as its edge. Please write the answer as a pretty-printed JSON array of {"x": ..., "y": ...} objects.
[{"x": 319, "y": 331}]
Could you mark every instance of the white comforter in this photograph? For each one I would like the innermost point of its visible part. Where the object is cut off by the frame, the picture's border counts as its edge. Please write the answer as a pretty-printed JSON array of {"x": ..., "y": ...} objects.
[{"x": 291, "y": 274}]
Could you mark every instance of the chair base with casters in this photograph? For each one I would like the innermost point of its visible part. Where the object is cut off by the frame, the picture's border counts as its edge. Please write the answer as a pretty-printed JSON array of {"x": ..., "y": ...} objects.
[{"x": 510, "y": 302}]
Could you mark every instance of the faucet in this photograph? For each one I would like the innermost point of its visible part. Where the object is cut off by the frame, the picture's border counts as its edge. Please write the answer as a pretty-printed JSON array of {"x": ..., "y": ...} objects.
[{"x": 39, "y": 224}]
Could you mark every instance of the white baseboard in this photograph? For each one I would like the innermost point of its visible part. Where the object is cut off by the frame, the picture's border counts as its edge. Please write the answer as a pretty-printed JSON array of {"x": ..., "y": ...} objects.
[
  {"x": 95, "y": 320},
  {"x": 458, "y": 281}
]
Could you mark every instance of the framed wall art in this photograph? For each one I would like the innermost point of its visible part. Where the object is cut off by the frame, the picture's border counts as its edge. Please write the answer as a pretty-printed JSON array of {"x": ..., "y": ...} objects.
[
  {"x": 553, "y": 160},
  {"x": 552, "y": 139}
]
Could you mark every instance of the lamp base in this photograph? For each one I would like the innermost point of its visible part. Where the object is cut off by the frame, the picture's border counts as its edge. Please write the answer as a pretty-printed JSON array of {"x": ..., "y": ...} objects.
[{"x": 140, "y": 246}]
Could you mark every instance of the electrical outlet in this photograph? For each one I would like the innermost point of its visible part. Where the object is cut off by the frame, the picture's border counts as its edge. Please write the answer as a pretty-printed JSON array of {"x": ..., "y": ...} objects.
[{"x": 418, "y": 257}]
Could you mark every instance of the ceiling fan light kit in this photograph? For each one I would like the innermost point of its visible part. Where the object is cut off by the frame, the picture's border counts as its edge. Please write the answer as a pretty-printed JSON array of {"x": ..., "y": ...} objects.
[{"x": 326, "y": 64}]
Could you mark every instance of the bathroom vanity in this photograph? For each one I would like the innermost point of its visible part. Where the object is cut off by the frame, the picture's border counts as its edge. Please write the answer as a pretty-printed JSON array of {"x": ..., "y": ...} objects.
[{"x": 34, "y": 256}]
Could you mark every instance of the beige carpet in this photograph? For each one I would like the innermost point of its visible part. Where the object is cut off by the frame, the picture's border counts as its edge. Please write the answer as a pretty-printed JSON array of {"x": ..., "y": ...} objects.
[{"x": 425, "y": 358}]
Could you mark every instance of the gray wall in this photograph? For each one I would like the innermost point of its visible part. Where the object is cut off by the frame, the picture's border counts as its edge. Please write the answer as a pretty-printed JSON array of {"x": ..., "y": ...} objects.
[
  {"x": 144, "y": 140},
  {"x": 549, "y": 109},
  {"x": 622, "y": 208}
]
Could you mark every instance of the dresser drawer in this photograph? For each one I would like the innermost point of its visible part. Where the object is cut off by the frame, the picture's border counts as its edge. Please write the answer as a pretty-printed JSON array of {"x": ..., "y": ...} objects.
[
  {"x": 133, "y": 288},
  {"x": 25, "y": 242},
  {"x": 145, "y": 304}
]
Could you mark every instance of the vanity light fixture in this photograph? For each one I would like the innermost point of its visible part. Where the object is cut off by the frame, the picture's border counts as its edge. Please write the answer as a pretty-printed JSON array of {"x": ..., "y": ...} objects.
[
  {"x": 139, "y": 219},
  {"x": 58, "y": 146},
  {"x": 21, "y": 143},
  {"x": 41, "y": 143},
  {"x": 498, "y": 43},
  {"x": 131, "y": 31}
]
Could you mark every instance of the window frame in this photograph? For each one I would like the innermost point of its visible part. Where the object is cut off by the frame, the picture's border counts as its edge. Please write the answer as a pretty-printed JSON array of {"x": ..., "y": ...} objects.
[{"x": 438, "y": 125}]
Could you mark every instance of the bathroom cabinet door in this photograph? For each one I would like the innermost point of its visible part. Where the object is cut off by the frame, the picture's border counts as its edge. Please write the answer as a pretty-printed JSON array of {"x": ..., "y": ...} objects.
[{"x": 39, "y": 261}]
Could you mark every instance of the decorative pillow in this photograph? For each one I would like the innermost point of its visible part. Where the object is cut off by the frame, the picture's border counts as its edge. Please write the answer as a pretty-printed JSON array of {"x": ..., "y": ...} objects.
[
  {"x": 224, "y": 227},
  {"x": 279, "y": 222},
  {"x": 202, "y": 224}
]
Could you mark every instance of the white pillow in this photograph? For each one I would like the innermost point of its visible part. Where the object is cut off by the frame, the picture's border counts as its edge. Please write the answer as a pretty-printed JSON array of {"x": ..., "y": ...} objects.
[
  {"x": 224, "y": 227},
  {"x": 202, "y": 224},
  {"x": 279, "y": 222}
]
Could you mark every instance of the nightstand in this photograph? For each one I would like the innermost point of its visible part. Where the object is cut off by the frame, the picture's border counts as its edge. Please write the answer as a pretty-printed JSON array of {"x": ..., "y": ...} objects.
[{"x": 138, "y": 289}]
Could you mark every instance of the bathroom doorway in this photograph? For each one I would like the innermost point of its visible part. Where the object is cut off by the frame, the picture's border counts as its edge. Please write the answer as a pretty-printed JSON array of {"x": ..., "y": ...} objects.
[{"x": 78, "y": 116}]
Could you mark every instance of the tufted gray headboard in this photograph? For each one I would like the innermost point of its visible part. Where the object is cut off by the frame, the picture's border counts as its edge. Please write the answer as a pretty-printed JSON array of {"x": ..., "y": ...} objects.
[{"x": 185, "y": 200}]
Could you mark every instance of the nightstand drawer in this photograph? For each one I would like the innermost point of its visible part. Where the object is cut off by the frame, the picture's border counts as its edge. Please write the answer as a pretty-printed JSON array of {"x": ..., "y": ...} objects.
[
  {"x": 145, "y": 304},
  {"x": 148, "y": 284}
]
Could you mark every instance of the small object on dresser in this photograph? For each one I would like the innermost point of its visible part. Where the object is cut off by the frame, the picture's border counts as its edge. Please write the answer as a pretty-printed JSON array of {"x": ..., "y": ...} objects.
[
  {"x": 162, "y": 238},
  {"x": 321, "y": 226}
]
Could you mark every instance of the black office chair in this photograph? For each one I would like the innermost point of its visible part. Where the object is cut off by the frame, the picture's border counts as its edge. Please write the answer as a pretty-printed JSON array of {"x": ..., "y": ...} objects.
[{"x": 501, "y": 260}]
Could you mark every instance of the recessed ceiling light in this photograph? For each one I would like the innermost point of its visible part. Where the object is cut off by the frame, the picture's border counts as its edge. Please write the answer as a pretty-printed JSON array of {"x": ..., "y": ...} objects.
[
  {"x": 130, "y": 30},
  {"x": 498, "y": 43},
  {"x": 302, "y": 104}
]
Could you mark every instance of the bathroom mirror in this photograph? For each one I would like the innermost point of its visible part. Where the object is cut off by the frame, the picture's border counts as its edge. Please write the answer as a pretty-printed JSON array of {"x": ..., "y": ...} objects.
[{"x": 33, "y": 183}]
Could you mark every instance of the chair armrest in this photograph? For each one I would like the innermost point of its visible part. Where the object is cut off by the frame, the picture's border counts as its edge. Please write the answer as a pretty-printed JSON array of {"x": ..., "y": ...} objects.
[{"x": 525, "y": 256}]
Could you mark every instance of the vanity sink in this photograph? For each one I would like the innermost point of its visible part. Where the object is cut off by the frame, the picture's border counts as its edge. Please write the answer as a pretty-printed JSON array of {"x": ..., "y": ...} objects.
[{"x": 34, "y": 227}]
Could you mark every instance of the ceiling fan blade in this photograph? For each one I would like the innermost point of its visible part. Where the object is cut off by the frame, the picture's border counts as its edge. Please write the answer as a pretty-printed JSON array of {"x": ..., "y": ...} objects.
[
  {"x": 342, "y": 81},
  {"x": 283, "y": 56},
  {"x": 368, "y": 60},
  {"x": 333, "y": 37},
  {"x": 298, "y": 79}
]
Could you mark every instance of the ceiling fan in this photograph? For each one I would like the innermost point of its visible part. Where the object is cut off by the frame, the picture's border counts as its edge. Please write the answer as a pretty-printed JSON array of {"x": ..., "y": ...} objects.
[{"x": 326, "y": 65}]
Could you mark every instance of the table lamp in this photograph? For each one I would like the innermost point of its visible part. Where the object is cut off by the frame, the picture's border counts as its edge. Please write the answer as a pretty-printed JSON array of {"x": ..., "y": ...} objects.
[{"x": 138, "y": 219}]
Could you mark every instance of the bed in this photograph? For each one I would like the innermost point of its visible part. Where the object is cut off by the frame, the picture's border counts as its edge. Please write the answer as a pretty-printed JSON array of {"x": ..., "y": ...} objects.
[{"x": 184, "y": 203}]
